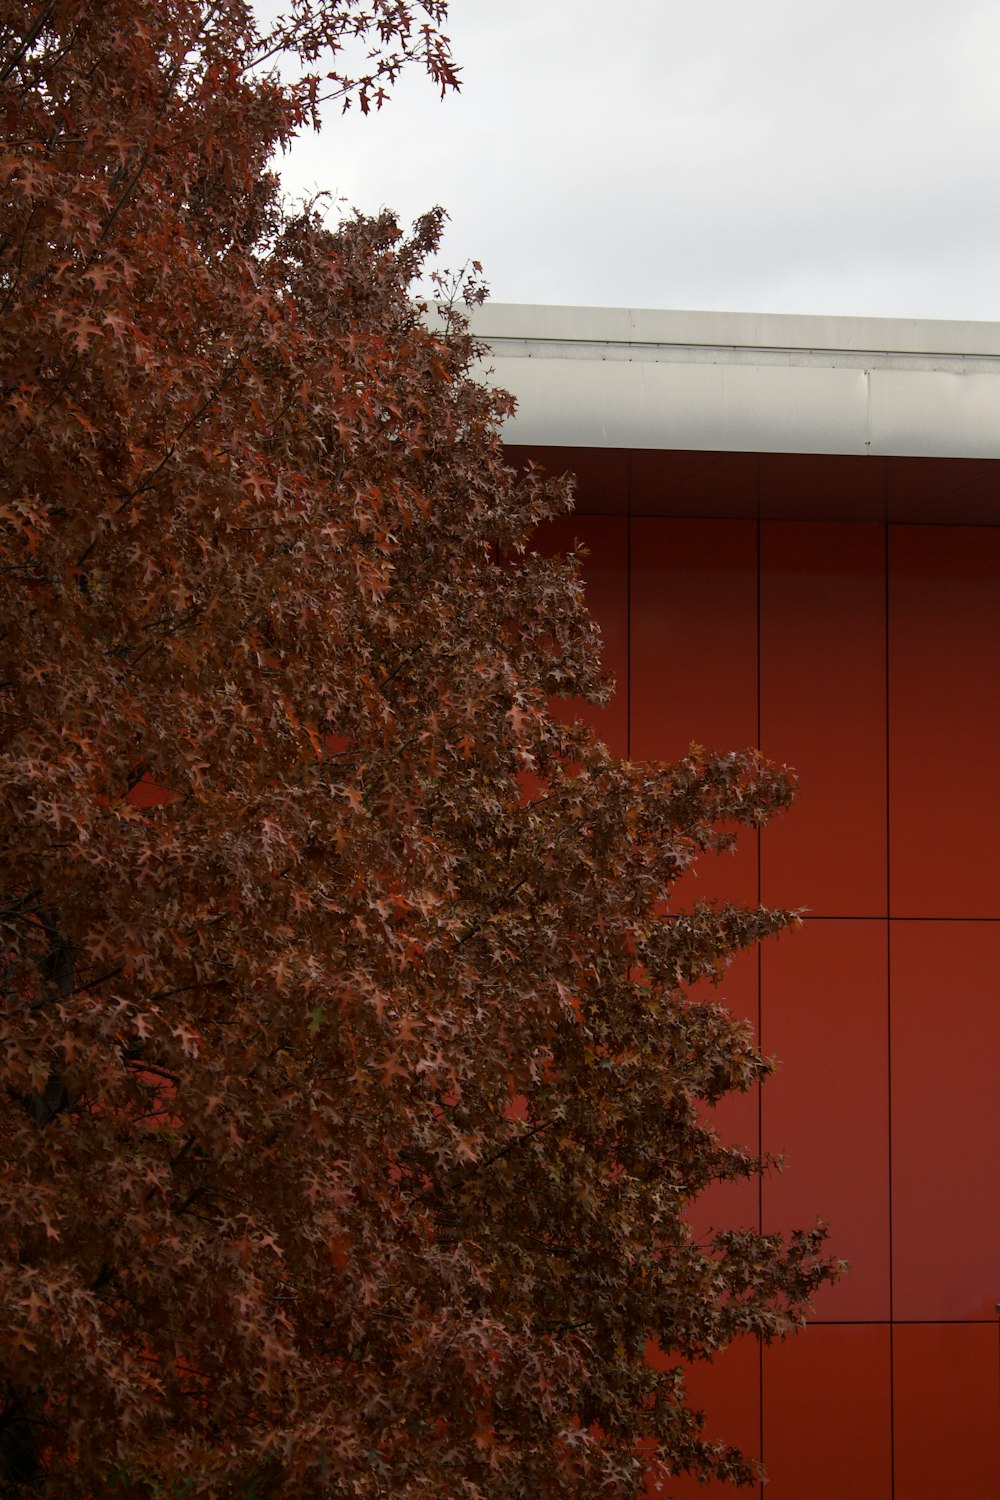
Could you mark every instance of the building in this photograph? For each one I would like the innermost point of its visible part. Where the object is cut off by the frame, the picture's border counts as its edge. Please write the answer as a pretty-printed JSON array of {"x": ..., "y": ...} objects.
[{"x": 794, "y": 534}]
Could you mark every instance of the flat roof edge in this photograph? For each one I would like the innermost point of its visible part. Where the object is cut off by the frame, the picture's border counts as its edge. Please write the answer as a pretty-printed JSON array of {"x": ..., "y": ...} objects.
[
  {"x": 735, "y": 382},
  {"x": 496, "y": 321}
]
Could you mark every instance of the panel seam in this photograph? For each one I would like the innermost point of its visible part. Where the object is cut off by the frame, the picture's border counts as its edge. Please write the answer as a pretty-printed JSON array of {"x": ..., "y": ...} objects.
[{"x": 888, "y": 1014}]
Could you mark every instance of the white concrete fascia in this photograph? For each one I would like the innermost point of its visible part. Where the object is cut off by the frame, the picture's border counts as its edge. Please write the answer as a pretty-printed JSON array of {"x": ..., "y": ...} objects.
[{"x": 743, "y": 382}]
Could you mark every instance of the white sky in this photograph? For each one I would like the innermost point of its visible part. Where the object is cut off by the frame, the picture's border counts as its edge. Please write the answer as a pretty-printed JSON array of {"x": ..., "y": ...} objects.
[{"x": 814, "y": 156}]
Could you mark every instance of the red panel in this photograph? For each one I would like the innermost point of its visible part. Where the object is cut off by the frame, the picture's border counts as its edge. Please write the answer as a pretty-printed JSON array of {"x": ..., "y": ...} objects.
[
  {"x": 944, "y": 726},
  {"x": 694, "y": 635},
  {"x": 684, "y": 483},
  {"x": 605, "y": 571},
  {"x": 827, "y": 1422},
  {"x": 728, "y": 1392},
  {"x": 845, "y": 487},
  {"x": 946, "y": 1402},
  {"x": 149, "y": 793},
  {"x": 945, "y": 1119},
  {"x": 736, "y": 1204},
  {"x": 822, "y": 710},
  {"x": 826, "y": 1109},
  {"x": 779, "y": 486},
  {"x": 694, "y": 660},
  {"x": 942, "y": 490}
]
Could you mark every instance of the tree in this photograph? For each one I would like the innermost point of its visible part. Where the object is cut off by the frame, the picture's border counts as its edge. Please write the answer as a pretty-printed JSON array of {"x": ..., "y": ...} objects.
[{"x": 352, "y": 1099}]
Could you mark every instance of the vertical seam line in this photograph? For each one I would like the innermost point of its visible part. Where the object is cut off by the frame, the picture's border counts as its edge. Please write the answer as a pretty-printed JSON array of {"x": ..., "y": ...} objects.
[
  {"x": 628, "y": 620},
  {"x": 760, "y": 996},
  {"x": 888, "y": 1016}
]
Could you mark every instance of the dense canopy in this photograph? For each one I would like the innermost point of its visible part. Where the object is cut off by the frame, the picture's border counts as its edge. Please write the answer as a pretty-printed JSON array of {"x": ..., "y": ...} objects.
[{"x": 352, "y": 1100}]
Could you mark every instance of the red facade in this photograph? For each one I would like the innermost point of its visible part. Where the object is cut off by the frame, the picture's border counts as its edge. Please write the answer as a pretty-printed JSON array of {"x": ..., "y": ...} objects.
[{"x": 844, "y": 615}]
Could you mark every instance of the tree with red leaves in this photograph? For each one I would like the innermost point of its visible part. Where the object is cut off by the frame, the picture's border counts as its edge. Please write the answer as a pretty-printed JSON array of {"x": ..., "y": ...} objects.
[{"x": 352, "y": 1101}]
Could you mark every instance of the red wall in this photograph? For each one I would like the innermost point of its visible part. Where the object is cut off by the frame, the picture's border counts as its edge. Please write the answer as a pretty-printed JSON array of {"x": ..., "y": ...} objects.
[{"x": 866, "y": 653}]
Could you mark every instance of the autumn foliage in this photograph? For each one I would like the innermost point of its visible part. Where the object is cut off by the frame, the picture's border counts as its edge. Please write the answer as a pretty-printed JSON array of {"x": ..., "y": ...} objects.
[{"x": 351, "y": 1100}]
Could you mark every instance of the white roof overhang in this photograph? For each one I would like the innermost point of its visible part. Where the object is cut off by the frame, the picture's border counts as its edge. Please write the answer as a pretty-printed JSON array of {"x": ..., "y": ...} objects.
[{"x": 745, "y": 383}]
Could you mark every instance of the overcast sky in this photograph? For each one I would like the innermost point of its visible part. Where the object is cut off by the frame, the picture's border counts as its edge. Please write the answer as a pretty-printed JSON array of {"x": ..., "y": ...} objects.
[{"x": 816, "y": 156}]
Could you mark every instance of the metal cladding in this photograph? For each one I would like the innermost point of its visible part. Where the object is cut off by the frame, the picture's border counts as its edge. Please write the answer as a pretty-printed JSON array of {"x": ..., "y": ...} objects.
[{"x": 749, "y": 383}]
